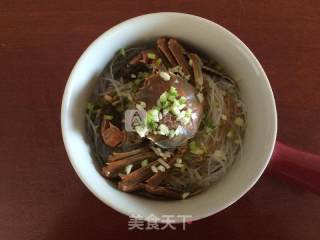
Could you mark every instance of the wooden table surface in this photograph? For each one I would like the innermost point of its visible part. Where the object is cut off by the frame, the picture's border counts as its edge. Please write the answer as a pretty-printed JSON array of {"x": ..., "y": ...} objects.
[{"x": 40, "y": 195}]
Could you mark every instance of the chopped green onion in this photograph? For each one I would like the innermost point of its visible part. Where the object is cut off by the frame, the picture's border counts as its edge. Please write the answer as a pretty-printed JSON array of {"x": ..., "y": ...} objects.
[
  {"x": 165, "y": 104},
  {"x": 120, "y": 109},
  {"x": 169, "y": 101},
  {"x": 195, "y": 149},
  {"x": 128, "y": 168},
  {"x": 153, "y": 115},
  {"x": 208, "y": 129},
  {"x": 98, "y": 112},
  {"x": 218, "y": 154},
  {"x": 230, "y": 134},
  {"x": 173, "y": 91},
  {"x": 165, "y": 111},
  {"x": 163, "y": 130},
  {"x": 161, "y": 168},
  {"x": 159, "y": 61},
  {"x": 165, "y": 76},
  {"x": 209, "y": 123},
  {"x": 154, "y": 169},
  {"x": 185, "y": 195},
  {"x": 144, "y": 163},
  {"x": 122, "y": 51},
  {"x": 189, "y": 112},
  {"x": 163, "y": 163},
  {"x": 151, "y": 55},
  {"x": 130, "y": 84},
  {"x": 178, "y": 165},
  {"x": 171, "y": 98},
  {"x": 237, "y": 141},
  {"x": 182, "y": 100},
  {"x": 138, "y": 81},
  {"x": 179, "y": 160},
  {"x": 175, "y": 110},
  {"x": 185, "y": 120},
  {"x": 182, "y": 106},
  {"x": 160, "y": 116},
  {"x": 153, "y": 125},
  {"x": 164, "y": 97},
  {"x": 140, "y": 106},
  {"x": 181, "y": 115},
  {"x": 172, "y": 133},
  {"x": 141, "y": 130},
  {"x": 90, "y": 106},
  {"x": 178, "y": 130},
  {"x": 200, "y": 97},
  {"x": 239, "y": 121},
  {"x": 107, "y": 117}
]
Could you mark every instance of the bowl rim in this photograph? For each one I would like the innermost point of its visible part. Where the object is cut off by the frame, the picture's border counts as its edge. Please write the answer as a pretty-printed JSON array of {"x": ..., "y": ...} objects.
[{"x": 67, "y": 91}]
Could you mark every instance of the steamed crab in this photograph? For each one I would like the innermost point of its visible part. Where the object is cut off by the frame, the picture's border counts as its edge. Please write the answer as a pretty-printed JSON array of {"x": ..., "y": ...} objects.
[{"x": 171, "y": 68}]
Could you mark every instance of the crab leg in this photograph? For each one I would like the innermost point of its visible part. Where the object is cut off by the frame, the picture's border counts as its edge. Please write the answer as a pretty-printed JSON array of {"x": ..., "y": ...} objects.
[
  {"x": 129, "y": 182},
  {"x": 196, "y": 64},
  {"x": 157, "y": 178},
  {"x": 216, "y": 72},
  {"x": 162, "y": 191},
  {"x": 121, "y": 155},
  {"x": 178, "y": 52},
  {"x": 162, "y": 44},
  {"x": 114, "y": 168}
]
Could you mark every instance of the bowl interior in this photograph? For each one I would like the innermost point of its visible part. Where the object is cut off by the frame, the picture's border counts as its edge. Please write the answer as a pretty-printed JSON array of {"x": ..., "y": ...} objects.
[{"x": 233, "y": 55}]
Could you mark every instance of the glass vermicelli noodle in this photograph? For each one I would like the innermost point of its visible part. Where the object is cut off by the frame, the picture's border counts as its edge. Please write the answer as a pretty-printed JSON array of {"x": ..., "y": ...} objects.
[{"x": 165, "y": 121}]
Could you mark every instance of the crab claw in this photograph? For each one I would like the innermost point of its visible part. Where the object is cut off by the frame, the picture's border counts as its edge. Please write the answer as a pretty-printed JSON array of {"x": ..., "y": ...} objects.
[{"x": 111, "y": 135}]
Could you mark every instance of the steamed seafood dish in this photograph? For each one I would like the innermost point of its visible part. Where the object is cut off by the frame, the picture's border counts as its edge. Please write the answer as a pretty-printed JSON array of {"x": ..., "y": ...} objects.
[{"x": 165, "y": 120}]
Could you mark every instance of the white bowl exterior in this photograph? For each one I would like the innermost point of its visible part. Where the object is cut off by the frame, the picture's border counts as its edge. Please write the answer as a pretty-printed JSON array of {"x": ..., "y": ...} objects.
[{"x": 216, "y": 42}]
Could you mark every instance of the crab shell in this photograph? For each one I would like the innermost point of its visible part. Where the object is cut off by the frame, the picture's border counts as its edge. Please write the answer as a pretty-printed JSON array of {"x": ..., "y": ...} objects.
[{"x": 154, "y": 86}]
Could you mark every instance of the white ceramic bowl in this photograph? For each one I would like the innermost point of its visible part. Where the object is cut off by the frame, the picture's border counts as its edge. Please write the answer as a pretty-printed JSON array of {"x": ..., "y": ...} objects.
[{"x": 217, "y": 42}]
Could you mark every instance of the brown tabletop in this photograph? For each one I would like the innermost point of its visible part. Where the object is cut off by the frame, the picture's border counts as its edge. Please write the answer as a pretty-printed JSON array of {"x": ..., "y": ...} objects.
[{"x": 40, "y": 195}]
